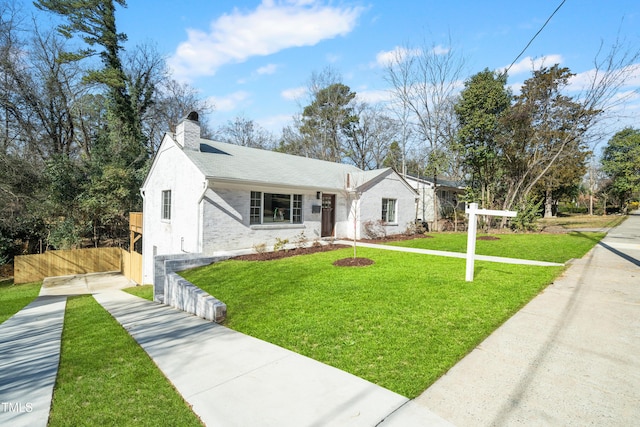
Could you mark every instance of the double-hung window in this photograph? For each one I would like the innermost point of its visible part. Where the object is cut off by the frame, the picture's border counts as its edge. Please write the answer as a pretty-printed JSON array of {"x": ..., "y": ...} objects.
[
  {"x": 271, "y": 208},
  {"x": 166, "y": 205},
  {"x": 389, "y": 210}
]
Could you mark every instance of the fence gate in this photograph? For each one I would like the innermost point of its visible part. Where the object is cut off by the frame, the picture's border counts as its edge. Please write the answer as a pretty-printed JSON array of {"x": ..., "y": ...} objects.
[{"x": 132, "y": 267}]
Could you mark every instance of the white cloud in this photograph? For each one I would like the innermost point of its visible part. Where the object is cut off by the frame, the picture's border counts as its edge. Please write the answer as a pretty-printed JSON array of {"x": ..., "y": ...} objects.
[
  {"x": 528, "y": 64},
  {"x": 267, "y": 69},
  {"x": 399, "y": 53},
  {"x": 332, "y": 58},
  {"x": 630, "y": 74},
  {"x": 440, "y": 50},
  {"x": 274, "y": 124},
  {"x": 273, "y": 26},
  {"x": 230, "y": 102},
  {"x": 387, "y": 57},
  {"x": 374, "y": 96},
  {"x": 293, "y": 94}
]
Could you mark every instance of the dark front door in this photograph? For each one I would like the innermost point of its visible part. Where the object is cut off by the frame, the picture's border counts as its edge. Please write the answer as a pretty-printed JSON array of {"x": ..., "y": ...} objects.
[{"x": 328, "y": 214}]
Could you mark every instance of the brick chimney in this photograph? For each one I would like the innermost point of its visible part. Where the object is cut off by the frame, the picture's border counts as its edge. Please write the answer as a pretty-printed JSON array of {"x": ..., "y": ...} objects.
[{"x": 188, "y": 132}]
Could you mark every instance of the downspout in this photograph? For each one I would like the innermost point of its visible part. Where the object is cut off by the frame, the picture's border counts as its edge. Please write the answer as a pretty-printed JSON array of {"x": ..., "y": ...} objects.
[
  {"x": 200, "y": 215},
  {"x": 144, "y": 223}
]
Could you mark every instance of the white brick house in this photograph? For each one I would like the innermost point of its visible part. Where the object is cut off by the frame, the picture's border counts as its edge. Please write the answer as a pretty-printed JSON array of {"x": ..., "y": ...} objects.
[{"x": 203, "y": 196}]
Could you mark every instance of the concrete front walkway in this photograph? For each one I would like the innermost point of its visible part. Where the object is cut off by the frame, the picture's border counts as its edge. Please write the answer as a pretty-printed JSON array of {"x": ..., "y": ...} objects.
[
  {"x": 29, "y": 356},
  {"x": 571, "y": 357},
  {"x": 232, "y": 379},
  {"x": 82, "y": 284},
  {"x": 30, "y": 347}
]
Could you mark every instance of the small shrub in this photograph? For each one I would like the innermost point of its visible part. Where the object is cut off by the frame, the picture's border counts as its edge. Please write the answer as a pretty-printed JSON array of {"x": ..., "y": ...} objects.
[
  {"x": 528, "y": 215},
  {"x": 280, "y": 244},
  {"x": 416, "y": 227},
  {"x": 316, "y": 243},
  {"x": 300, "y": 240},
  {"x": 375, "y": 229},
  {"x": 260, "y": 248}
]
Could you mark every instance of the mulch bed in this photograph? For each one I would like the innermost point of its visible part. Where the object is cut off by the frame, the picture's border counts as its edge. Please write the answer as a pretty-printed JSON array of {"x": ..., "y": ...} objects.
[
  {"x": 268, "y": 256},
  {"x": 353, "y": 262},
  {"x": 487, "y": 238}
]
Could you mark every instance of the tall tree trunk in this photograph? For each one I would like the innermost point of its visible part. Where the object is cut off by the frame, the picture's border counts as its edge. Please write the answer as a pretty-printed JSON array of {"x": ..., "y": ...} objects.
[
  {"x": 435, "y": 204},
  {"x": 548, "y": 203}
]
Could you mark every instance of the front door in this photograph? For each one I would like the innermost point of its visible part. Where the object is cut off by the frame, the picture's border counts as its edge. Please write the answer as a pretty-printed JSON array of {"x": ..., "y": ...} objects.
[{"x": 328, "y": 214}]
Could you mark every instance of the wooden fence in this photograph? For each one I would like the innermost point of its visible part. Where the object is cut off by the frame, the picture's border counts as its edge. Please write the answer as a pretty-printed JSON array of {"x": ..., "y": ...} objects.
[
  {"x": 32, "y": 268},
  {"x": 132, "y": 266}
]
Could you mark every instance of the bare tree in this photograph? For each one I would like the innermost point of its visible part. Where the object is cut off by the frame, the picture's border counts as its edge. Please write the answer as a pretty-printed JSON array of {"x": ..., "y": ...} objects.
[
  {"x": 173, "y": 100},
  {"x": 368, "y": 140},
  {"x": 245, "y": 132},
  {"x": 425, "y": 82}
]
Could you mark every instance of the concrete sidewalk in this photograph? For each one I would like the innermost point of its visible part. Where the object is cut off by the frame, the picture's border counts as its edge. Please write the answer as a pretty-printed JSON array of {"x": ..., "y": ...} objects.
[
  {"x": 29, "y": 356},
  {"x": 232, "y": 379},
  {"x": 82, "y": 284},
  {"x": 571, "y": 357}
]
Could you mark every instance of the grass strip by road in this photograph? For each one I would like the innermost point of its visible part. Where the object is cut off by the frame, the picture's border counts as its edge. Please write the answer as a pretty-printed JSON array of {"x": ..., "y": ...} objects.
[
  {"x": 400, "y": 323},
  {"x": 14, "y": 298},
  {"x": 106, "y": 378},
  {"x": 558, "y": 248}
]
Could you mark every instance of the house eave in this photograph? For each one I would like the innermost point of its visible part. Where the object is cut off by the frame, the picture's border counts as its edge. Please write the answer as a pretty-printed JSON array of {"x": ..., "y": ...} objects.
[{"x": 268, "y": 184}]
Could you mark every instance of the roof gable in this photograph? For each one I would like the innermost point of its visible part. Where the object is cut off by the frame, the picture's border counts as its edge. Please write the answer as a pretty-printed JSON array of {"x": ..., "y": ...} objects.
[{"x": 364, "y": 180}]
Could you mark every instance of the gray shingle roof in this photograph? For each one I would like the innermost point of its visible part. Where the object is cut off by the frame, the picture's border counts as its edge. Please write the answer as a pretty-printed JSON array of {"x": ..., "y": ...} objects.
[{"x": 221, "y": 161}]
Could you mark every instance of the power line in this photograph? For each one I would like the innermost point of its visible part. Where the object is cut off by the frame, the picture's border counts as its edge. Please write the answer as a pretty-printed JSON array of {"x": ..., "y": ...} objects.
[{"x": 534, "y": 37}]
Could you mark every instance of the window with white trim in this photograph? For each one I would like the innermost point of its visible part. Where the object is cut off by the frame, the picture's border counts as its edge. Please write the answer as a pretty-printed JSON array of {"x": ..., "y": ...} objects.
[
  {"x": 271, "y": 208},
  {"x": 389, "y": 210},
  {"x": 166, "y": 205}
]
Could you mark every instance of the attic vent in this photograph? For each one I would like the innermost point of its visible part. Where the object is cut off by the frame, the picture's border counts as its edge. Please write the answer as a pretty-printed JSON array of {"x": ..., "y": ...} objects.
[{"x": 192, "y": 116}]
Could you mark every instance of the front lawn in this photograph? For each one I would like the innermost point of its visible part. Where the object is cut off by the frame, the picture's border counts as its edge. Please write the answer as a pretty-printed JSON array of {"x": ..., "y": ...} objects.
[
  {"x": 14, "y": 298},
  {"x": 573, "y": 221},
  {"x": 558, "y": 248},
  {"x": 106, "y": 378},
  {"x": 400, "y": 323}
]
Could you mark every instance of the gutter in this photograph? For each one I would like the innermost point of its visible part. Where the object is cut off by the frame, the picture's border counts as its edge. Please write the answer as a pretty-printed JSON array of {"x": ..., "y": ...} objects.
[{"x": 204, "y": 190}]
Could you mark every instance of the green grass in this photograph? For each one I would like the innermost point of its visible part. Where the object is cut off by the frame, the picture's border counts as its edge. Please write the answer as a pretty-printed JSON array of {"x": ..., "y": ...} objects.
[
  {"x": 583, "y": 221},
  {"x": 105, "y": 378},
  {"x": 144, "y": 291},
  {"x": 400, "y": 323},
  {"x": 14, "y": 298},
  {"x": 540, "y": 247}
]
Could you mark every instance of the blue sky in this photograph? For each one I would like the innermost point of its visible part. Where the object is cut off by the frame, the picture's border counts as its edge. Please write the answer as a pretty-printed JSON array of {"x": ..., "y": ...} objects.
[{"x": 254, "y": 58}]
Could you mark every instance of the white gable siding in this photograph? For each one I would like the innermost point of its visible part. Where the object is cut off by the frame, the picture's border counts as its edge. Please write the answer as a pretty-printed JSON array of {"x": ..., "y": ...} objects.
[
  {"x": 171, "y": 170},
  {"x": 391, "y": 187},
  {"x": 425, "y": 199}
]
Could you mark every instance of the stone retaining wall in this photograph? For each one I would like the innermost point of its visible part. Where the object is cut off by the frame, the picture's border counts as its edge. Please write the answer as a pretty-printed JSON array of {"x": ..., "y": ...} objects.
[{"x": 171, "y": 289}]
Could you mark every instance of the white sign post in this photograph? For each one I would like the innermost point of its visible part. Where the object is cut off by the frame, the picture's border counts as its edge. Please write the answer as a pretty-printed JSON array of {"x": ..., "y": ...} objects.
[{"x": 473, "y": 211}]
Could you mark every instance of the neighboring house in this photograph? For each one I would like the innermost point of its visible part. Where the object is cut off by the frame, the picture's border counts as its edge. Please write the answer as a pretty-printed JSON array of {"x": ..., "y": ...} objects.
[
  {"x": 203, "y": 196},
  {"x": 449, "y": 196}
]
